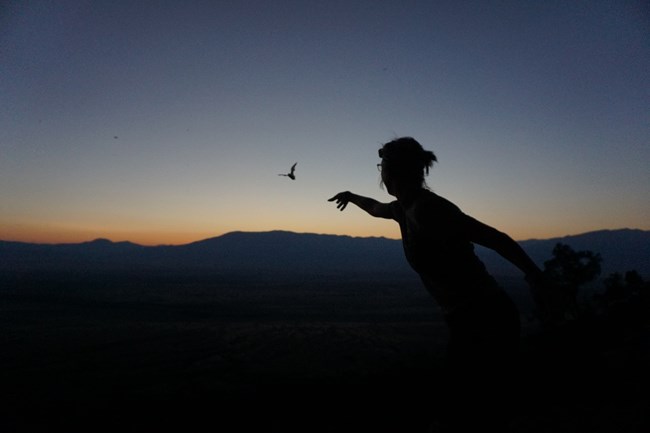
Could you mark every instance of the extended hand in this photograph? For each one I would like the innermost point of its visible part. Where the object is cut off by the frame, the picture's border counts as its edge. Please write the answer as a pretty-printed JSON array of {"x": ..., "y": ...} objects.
[{"x": 342, "y": 199}]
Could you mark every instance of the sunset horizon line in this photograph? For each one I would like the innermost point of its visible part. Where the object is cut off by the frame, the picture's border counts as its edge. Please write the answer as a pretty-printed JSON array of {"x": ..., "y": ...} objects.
[{"x": 116, "y": 240}]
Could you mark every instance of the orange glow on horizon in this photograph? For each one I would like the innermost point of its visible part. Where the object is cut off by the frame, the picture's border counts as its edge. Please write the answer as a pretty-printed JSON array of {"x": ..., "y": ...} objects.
[
  {"x": 349, "y": 225},
  {"x": 43, "y": 234},
  {"x": 152, "y": 238}
]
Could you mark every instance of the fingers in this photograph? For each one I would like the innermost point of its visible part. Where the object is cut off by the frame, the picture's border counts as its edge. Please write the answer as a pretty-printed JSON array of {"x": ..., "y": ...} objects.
[
  {"x": 339, "y": 196},
  {"x": 336, "y": 197},
  {"x": 341, "y": 200}
]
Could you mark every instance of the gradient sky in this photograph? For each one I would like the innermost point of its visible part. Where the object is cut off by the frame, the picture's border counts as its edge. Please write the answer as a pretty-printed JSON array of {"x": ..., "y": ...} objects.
[{"x": 168, "y": 122}]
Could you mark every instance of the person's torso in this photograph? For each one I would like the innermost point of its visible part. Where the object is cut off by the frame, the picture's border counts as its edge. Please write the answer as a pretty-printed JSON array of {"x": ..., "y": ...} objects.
[{"x": 438, "y": 248}]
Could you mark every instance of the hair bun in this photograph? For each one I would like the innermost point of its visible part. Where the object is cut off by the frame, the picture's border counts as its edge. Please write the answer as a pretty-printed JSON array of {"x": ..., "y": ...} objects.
[{"x": 407, "y": 151}]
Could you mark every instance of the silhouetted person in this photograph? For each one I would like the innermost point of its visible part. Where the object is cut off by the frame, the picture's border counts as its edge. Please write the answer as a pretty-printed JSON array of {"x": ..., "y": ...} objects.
[
  {"x": 291, "y": 175},
  {"x": 483, "y": 321}
]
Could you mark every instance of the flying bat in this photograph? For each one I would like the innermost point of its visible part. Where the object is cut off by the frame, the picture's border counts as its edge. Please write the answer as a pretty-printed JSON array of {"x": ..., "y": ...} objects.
[{"x": 291, "y": 174}]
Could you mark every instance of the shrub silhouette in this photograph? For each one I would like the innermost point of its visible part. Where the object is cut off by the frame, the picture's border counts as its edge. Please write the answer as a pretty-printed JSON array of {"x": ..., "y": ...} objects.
[
  {"x": 565, "y": 273},
  {"x": 625, "y": 296}
]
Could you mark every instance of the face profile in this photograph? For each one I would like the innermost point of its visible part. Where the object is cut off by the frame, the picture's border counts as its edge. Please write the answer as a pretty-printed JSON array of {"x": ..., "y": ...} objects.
[{"x": 404, "y": 164}]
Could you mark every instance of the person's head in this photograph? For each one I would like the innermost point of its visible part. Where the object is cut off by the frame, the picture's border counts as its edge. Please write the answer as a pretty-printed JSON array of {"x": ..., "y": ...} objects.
[{"x": 404, "y": 163}]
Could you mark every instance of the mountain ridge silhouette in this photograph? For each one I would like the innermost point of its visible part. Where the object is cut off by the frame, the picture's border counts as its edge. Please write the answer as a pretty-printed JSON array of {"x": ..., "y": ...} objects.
[{"x": 286, "y": 252}]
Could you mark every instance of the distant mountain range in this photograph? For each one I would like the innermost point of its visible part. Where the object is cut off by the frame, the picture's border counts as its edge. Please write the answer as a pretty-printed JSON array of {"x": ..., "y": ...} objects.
[{"x": 288, "y": 253}]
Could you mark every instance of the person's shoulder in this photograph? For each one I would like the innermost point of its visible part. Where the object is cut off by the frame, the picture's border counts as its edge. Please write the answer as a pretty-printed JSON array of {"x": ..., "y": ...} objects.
[
  {"x": 395, "y": 207},
  {"x": 432, "y": 201},
  {"x": 432, "y": 207}
]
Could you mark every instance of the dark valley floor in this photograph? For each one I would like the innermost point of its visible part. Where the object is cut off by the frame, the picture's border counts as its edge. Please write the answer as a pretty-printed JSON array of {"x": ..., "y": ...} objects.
[{"x": 333, "y": 359}]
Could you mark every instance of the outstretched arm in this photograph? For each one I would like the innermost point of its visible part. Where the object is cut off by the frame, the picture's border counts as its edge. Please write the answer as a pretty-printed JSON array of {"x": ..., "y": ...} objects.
[
  {"x": 503, "y": 244},
  {"x": 372, "y": 206},
  {"x": 550, "y": 301}
]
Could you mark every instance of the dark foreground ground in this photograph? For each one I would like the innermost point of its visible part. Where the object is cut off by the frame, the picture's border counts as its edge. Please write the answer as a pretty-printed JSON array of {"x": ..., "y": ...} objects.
[{"x": 87, "y": 355}]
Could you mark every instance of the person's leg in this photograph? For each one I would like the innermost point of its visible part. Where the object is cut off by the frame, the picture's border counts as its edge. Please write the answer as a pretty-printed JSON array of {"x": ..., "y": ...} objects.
[
  {"x": 496, "y": 385},
  {"x": 482, "y": 361}
]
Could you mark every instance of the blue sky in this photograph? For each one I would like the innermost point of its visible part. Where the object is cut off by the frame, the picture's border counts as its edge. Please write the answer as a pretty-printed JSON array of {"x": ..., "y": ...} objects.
[{"x": 168, "y": 122}]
